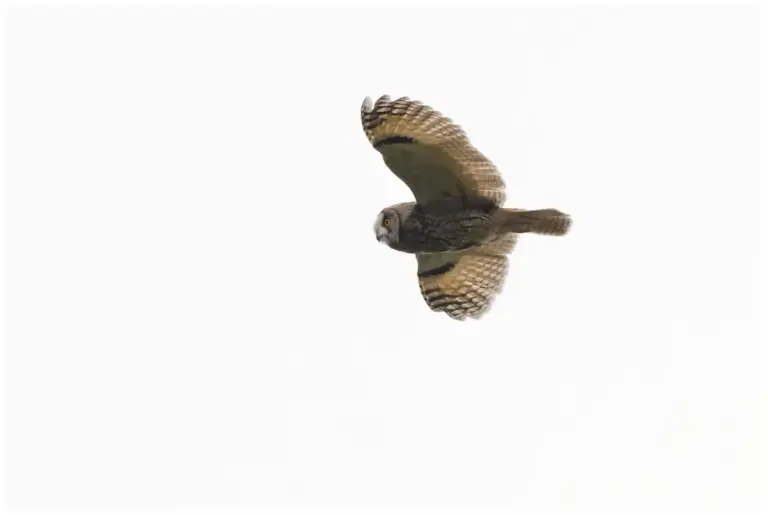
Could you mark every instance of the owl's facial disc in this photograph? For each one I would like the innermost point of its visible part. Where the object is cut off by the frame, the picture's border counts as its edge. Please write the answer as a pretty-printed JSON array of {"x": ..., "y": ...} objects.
[{"x": 384, "y": 228}]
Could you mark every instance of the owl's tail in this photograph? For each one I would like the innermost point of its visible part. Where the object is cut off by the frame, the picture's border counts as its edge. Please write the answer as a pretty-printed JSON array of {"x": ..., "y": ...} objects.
[{"x": 539, "y": 221}]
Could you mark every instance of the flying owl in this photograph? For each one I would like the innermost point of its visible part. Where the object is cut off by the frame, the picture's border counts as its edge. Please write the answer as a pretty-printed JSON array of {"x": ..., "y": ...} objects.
[{"x": 458, "y": 228}]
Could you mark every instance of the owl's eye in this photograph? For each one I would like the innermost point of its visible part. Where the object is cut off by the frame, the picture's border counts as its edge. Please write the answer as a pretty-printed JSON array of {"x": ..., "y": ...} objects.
[{"x": 386, "y": 222}]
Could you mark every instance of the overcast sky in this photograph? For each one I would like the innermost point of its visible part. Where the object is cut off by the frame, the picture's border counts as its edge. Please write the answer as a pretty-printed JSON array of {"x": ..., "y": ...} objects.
[{"x": 200, "y": 316}]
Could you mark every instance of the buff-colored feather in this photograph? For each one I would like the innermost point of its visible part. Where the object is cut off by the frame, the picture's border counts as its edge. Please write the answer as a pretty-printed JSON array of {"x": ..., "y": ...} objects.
[{"x": 429, "y": 152}]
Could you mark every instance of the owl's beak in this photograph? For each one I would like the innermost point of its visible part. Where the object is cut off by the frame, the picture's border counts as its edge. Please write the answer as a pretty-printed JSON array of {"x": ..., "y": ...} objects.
[{"x": 382, "y": 235}]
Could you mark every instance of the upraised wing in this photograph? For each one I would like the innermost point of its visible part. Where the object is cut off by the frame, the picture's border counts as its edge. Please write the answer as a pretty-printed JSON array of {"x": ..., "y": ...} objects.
[{"x": 429, "y": 152}]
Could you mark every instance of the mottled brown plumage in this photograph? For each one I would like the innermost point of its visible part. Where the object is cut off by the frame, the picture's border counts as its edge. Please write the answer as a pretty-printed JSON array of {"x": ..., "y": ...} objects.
[
  {"x": 464, "y": 283},
  {"x": 429, "y": 152},
  {"x": 457, "y": 228}
]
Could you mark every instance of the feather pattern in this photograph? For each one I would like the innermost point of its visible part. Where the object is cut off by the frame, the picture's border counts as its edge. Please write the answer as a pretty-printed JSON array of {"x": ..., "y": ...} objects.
[
  {"x": 465, "y": 284},
  {"x": 429, "y": 152}
]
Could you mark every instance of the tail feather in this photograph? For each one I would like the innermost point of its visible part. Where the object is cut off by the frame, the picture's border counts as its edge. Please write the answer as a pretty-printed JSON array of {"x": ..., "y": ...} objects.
[{"x": 550, "y": 222}]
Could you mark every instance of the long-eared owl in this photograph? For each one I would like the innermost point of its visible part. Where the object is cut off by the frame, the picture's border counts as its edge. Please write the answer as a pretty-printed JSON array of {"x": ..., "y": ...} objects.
[{"x": 457, "y": 227}]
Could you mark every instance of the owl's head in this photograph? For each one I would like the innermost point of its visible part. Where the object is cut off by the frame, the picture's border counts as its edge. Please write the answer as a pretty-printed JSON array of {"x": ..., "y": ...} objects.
[{"x": 389, "y": 221}]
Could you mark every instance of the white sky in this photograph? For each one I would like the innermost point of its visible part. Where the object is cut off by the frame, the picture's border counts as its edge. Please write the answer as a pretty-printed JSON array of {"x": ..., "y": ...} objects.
[{"x": 199, "y": 315}]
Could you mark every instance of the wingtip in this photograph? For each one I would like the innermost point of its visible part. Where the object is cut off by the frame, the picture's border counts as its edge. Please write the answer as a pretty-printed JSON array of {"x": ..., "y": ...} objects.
[{"x": 367, "y": 105}]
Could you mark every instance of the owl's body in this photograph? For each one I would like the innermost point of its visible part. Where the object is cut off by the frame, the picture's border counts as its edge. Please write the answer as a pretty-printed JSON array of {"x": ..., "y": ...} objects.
[
  {"x": 443, "y": 228},
  {"x": 457, "y": 227}
]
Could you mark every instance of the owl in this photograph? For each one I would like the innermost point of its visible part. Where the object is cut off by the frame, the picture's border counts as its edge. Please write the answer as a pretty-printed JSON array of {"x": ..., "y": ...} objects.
[{"x": 458, "y": 228}]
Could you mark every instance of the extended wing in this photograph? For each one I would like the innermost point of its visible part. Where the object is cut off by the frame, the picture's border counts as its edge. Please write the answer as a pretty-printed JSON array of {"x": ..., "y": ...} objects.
[
  {"x": 465, "y": 284},
  {"x": 429, "y": 152}
]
